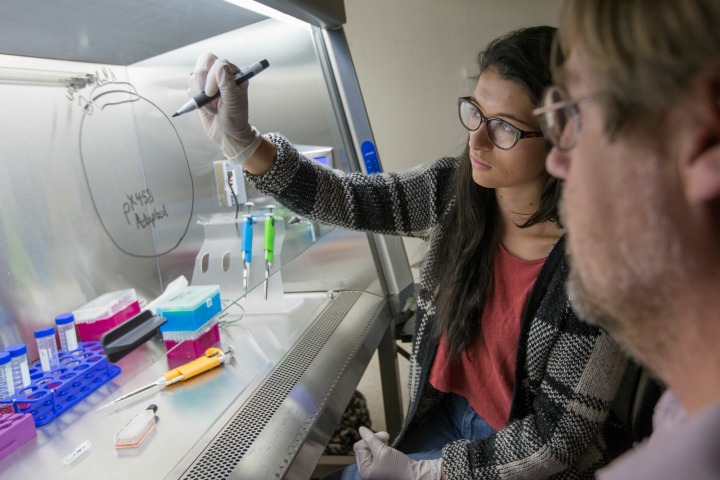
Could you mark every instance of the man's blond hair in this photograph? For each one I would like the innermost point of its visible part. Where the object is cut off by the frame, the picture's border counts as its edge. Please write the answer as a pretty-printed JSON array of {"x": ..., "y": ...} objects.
[{"x": 643, "y": 53}]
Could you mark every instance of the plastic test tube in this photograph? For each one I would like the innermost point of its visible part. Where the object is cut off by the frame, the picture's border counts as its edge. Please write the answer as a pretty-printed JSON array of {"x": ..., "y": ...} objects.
[
  {"x": 66, "y": 331},
  {"x": 19, "y": 363},
  {"x": 47, "y": 348},
  {"x": 6, "y": 384}
]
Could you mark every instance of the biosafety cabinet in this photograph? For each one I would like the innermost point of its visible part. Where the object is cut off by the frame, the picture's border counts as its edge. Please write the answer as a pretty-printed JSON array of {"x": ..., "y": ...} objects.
[{"x": 102, "y": 190}]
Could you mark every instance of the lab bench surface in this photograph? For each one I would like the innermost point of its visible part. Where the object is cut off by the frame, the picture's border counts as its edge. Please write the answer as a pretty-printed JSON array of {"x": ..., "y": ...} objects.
[{"x": 266, "y": 414}]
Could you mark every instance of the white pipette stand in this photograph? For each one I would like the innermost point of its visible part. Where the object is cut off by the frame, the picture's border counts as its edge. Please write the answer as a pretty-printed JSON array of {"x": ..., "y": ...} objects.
[{"x": 219, "y": 262}]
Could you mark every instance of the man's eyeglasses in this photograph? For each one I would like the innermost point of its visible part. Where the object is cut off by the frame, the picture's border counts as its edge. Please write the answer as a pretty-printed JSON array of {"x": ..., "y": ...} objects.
[
  {"x": 559, "y": 117},
  {"x": 502, "y": 134}
]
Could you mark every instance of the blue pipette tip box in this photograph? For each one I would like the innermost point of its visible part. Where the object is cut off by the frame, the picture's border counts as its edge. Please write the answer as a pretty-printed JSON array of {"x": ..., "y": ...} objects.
[{"x": 190, "y": 308}]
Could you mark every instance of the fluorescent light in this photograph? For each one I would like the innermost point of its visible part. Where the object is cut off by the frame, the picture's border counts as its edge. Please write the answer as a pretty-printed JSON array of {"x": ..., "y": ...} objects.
[
  {"x": 29, "y": 76},
  {"x": 269, "y": 12}
]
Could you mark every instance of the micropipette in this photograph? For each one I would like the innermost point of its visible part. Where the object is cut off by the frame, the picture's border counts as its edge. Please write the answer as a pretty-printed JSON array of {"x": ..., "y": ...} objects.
[
  {"x": 269, "y": 245},
  {"x": 212, "y": 358},
  {"x": 247, "y": 239}
]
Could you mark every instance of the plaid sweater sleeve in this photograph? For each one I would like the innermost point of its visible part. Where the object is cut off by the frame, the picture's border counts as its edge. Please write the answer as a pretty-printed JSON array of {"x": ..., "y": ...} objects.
[
  {"x": 408, "y": 203},
  {"x": 570, "y": 373}
]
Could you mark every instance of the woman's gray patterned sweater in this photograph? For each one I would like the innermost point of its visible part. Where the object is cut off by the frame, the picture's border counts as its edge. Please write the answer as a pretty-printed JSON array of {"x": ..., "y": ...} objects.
[{"x": 567, "y": 371}]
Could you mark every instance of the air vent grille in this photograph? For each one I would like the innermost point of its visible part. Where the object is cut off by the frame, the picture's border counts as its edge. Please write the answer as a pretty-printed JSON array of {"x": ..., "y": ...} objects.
[{"x": 227, "y": 449}]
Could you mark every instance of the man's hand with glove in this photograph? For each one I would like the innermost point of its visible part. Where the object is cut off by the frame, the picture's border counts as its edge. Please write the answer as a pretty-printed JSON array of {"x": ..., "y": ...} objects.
[
  {"x": 377, "y": 461},
  {"x": 226, "y": 119}
]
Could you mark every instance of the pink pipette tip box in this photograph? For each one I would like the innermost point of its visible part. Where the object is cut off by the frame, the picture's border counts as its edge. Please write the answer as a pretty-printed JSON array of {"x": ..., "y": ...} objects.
[{"x": 15, "y": 430}]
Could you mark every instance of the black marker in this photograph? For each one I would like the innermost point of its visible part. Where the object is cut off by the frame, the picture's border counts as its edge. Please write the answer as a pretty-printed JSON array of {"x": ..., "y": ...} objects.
[{"x": 242, "y": 76}]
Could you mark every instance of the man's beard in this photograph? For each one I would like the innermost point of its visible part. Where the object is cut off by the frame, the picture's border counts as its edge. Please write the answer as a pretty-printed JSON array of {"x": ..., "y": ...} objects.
[
  {"x": 629, "y": 294},
  {"x": 626, "y": 332},
  {"x": 589, "y": 311}
]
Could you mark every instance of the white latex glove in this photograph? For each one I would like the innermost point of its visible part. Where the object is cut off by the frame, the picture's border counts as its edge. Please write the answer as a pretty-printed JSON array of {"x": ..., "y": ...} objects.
[
  {"x": 226, "y": 119},
  {"x": 377, "y": 461}
]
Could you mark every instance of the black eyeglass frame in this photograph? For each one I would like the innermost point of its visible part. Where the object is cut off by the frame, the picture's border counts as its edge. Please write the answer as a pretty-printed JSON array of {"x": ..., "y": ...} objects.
[{"x": 519, "y": 134}]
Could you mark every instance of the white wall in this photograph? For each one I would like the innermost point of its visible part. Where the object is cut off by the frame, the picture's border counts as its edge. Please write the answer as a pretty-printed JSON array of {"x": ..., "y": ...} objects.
[{"x": 411, "y": 58}]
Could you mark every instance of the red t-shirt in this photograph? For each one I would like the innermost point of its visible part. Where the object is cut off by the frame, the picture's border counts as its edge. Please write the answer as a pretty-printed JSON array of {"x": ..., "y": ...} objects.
[{"x": 485, "y": 373}]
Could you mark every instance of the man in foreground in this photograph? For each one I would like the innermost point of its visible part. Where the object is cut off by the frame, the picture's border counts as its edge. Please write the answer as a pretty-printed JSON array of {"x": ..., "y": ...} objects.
[{"x": 634, "y": 118}]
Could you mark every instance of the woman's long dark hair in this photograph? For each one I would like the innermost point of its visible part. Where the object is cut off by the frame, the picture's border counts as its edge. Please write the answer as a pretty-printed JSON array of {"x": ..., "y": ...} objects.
[{"x": 464, "y": 264}]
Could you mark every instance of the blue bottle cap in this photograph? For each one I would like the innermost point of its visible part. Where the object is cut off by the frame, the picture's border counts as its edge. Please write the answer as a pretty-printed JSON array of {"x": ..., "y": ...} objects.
[
  {"x": 44, "y": 332},
  {"x": 64, "y": 319},
  {"x": 16, "y": 350},
  {"x": 4, "y": 358}
]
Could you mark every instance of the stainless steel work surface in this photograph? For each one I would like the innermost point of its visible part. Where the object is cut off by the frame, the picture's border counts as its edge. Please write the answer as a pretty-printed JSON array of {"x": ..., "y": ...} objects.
[{"x": 249, "y": 418}]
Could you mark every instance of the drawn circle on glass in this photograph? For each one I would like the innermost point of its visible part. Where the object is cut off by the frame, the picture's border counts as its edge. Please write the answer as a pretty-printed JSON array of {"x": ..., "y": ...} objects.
[{"x": 137, "y": 172}]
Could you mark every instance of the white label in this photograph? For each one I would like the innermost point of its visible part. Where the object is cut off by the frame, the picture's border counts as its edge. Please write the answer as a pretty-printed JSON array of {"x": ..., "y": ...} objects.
[
  {"x": 25, "y": 372},
  {"x": 70, "y": 340},
  {"x": 45, "y": 359},
  {"x": 8, "y": 379}
]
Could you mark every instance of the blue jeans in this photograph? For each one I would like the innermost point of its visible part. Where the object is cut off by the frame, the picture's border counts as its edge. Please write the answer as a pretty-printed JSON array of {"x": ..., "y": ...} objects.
[{"x": 453, "y": 420}]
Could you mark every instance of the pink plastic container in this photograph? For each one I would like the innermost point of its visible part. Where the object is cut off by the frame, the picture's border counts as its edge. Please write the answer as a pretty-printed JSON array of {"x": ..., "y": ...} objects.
[
  {"x": 15, "y": 430},
  {"x": 192, "y": 343},
  {"x": 104, "y": 313}
]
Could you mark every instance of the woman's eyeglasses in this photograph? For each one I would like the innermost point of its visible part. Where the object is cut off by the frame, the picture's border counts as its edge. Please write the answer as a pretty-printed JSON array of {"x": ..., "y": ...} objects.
[{"x": 502, "y": 134}]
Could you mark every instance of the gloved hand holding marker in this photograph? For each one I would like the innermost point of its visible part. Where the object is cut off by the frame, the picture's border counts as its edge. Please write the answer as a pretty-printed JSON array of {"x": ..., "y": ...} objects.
[
  {"x": 203, "y": 98},
  {"x": 226, "y": 121}
]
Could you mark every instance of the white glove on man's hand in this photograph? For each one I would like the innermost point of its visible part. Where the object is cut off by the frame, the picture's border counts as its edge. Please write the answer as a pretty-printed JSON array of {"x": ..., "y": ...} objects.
[
  {"x": 226, "y": 119},
  {"x": 377, "y": 461}
]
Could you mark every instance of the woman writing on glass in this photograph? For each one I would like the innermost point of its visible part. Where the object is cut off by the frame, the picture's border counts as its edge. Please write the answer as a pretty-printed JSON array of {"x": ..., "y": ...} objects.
[{"x": 505, "y": 380}]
